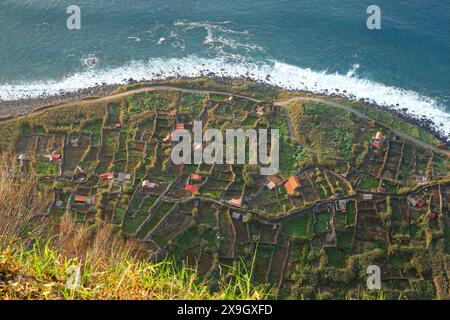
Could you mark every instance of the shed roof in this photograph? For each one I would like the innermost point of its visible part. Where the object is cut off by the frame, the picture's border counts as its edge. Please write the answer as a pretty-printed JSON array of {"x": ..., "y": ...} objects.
[
  {"x": 292, "y": 185},
  {"x": 191, "y": 188},
  {"x": 378, "y": 135},
  {"x": 271, "y": 185},
  {"x": 196, "y": 177},
  {"x": 80, "y": 199},
  {"x": 235, "y": 202}
]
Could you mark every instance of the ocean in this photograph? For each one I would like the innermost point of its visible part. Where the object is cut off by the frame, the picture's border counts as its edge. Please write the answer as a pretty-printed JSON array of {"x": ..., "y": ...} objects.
[{"x": 319, "y": 45}]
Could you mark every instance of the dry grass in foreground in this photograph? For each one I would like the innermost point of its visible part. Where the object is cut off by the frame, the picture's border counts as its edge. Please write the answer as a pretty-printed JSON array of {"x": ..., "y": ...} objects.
[{"x": 45, "y": 258}]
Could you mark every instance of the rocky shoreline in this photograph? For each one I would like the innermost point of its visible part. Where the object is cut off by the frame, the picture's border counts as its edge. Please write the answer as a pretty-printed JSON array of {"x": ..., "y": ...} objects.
[{"x": 27, "y": 105}]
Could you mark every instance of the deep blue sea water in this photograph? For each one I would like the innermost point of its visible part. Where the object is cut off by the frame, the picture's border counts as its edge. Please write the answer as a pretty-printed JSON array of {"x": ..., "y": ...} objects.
[{"x": 317, "y": 45}]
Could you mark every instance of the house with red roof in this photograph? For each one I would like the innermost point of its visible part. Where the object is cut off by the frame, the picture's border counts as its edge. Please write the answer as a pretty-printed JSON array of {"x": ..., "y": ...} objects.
[
  {"x": 55, "y": 157},
  {"x": 235, "y": 202},
  {"x": 375, "y": 144},
  {"x": 420, "y": 203},
  {"x": 433, "y": 214},
  {"x": 415, "y": 202},
  {"x": 191, "y": 188},
  {"x": 106, "y": 176}
]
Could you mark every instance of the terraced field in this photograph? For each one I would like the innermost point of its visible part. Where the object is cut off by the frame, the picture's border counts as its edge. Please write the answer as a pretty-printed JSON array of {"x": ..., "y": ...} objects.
[{"x": 354, "y": 205}]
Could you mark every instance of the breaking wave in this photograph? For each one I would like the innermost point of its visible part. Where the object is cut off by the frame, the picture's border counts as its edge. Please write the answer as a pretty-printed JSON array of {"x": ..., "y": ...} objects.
[
  {"x": 271, "y": 72},
  {"x": 90, "y": 61}
]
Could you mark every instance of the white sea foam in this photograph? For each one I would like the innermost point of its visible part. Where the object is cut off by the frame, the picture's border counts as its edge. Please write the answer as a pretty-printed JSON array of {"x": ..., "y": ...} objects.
[
  {"x": 189, "y": 25},
  {"x": 90, "y": 60},
  {"x": 353, "y": 70},
  {"x": 137, "y": 39},
  {"x": 160, "y": 41},
  {"x": 209, "y": 37},
  {"x": 217, "y": 37},
  {"x": 281, "y": 74}
]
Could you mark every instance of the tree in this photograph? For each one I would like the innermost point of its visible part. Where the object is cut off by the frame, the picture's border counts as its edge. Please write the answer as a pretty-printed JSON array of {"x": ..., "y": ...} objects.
[
  {"x": 250, "y": 174},
  {"x": 195, "y": 213}
]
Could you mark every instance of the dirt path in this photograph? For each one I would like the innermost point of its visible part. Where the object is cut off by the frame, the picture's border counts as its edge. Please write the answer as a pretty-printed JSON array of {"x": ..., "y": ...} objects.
[
  {"x": 136, "y": 91},
  {"x": 283, "y": 103},
  {"x": 361, "y": 115}
]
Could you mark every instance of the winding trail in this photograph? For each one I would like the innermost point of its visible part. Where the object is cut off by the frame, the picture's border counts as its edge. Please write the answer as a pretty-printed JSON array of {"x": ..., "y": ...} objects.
[
  {"x": 125, "y": 94},
  {"x": 283, "y": 103}
]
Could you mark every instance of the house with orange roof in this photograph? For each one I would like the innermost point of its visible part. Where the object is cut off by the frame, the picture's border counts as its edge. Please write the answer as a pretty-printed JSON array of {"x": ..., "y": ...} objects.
[
  {"x": 82, "y": 200},
  {"x": 293, "y": 185}
]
